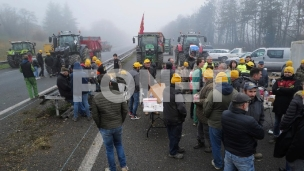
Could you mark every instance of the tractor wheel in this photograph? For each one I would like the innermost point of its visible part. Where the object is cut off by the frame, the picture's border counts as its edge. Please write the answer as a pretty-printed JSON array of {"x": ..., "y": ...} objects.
[
  {"x": 138, "y": 58},
  {"x": 85, "y": 54},
  {"x": 182, "y": 58},
  {"x": 160, "y": 61},
  {"x": 74, "y": 58},
  {"x": 11, "y": 62}
]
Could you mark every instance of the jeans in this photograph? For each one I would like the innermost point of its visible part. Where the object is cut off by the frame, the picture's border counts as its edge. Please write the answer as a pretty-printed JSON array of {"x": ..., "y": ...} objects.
[
  {"x": 236, "y": 163},
  {"x": 113, "y": 137},
  {"x": 206, "y": 134},
  {"x": 36, "y": 72},
  {"x": 84, "y": 102},
  {"x": 276, "y": 128},
  {"x": 133, "y": 103},
  {"x": 174, "y": 134},
  {"x": 216, "y": 144},
  {"x": 297, "y": 165}
]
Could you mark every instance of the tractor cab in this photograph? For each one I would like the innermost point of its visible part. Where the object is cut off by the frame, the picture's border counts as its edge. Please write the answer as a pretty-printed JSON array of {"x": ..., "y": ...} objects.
[{"x": 18, "y": 49}]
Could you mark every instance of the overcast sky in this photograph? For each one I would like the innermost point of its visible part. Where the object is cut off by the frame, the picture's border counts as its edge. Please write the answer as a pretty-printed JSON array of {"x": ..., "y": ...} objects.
[{"x": 125, "y": 14}]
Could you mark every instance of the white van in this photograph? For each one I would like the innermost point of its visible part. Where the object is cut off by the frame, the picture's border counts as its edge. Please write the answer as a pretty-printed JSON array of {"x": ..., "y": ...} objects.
[{"x": 274, "y": 58}]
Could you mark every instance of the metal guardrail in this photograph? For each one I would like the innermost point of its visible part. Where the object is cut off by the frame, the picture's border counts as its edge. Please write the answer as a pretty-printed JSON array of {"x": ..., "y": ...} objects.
[
  {"x": 3, "y": 62},
  {"x": 109, "y": 63}
]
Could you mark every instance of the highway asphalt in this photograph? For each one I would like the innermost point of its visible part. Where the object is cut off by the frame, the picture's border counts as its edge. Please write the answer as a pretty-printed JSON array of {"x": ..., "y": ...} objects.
[{"x": 13, "y": 88}]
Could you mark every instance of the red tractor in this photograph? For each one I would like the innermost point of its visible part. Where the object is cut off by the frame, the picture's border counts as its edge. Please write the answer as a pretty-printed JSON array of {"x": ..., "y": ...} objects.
[
  {"x": 184, "y": 42},
  {"x": 94, "y": 45}
]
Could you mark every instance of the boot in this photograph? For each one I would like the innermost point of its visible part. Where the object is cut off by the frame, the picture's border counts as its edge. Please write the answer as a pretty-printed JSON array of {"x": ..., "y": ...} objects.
[
  {"x": 273, "y": 140},
  {"x": 207, "y": 147},
  {"x": 199, "y": 144}
]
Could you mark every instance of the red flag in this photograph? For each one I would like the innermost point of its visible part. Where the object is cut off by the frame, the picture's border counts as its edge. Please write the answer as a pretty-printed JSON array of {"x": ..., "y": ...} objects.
[{"x": 141, "y": 30}]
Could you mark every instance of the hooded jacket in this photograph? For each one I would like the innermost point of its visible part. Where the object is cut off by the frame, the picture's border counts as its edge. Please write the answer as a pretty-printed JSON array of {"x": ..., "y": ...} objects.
[
  {"x": 240, "y": 132},
  {"x": 27, "y": 69},
  {"x": 217, "y": 101},
  {"x": 40, "y": 59},
  {"x": 294, "y": 109},
  {"x": 79, "y": 74},
  {"x": 284, "y": 88}
]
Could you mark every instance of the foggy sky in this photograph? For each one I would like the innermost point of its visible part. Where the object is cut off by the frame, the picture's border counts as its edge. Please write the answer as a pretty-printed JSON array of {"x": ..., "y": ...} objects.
[{"x": 125, "y": 14}]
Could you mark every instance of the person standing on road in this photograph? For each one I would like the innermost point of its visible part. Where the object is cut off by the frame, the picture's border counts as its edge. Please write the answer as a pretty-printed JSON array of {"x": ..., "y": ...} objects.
[
  {"x": 255, "y": 109},
  {"x": 172, "y": 62},
  {"x": 49, "y": 62},
  {"x": 27, "y": 69},
  {"x": 197, "y": 82},
  {"x": 109, "y": 111},
  {"x": 134, "y": 99},
  {"x": 80, "y": 91},
  {"x": 239, "y": 135},
  {"x": 284, "y": 88},
  {"x": 242, "y": 66},
  {"x": 41, "y": 63},
  {"x": 174, "y": 115},
  {"x": 203, "y": 138},
  {"x": 300, "y": 72},
  {"x": 117, "y": 63},
  {"x": 63, "y": 84},
  {"x": 264, "y": 79},
  {"x": 147, "y": 76},
  {"x": 36, "y": 68},
  {"x": 216, "y": 102}
]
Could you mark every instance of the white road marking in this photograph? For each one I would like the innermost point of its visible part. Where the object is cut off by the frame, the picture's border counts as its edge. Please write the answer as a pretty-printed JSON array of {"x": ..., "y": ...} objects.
[
  {"x": 90, "y": 158},
  {"x": 24, "y": 101}
]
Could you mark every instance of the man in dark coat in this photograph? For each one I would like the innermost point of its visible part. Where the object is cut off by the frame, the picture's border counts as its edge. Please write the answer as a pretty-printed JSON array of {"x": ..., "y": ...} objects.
[
  {"x": 41, "y": 63},
  {"x": 63, "y": 84},
  {"x": 174, "y": 115},
  {"x": 264, "y": 79},
  {"x": 240, "y": 133},
  {"x": 166, "y": 74},
  {"x": 284, "y": 88}
]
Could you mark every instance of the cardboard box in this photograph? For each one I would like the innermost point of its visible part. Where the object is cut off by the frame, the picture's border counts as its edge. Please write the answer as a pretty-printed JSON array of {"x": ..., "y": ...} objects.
[
  {"x": 157, "y": 91},
  {"x": 151, "y": 105}
]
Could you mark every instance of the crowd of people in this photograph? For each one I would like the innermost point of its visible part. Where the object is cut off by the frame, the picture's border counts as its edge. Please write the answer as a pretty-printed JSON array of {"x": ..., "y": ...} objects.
[{"x": 227, "y": 106}]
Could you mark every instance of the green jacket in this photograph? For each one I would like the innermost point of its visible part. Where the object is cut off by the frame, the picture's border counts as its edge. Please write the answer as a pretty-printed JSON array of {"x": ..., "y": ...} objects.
[
  {"x": 109, "y": 109},
  {"x": 300, "y": 74},
  {"x": 216, "y": 102}
]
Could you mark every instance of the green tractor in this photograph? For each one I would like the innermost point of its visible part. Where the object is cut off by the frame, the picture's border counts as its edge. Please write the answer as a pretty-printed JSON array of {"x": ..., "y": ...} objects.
[
  {"x": 150, "y": 46},
  {"x": 19, "y": 48},
  {"x": 168, "y": 47}
]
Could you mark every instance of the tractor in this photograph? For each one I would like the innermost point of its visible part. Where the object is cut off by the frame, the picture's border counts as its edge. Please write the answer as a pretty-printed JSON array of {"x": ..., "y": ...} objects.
[
  {"x": 150, "y": 46},
  {"x": 184, "y": 42},
  {"x": 67, "y": 48},
  {"x": 168, "y": 46},
  {"x": 106, "y": 46},
  {"x": 19, "y": 48}
]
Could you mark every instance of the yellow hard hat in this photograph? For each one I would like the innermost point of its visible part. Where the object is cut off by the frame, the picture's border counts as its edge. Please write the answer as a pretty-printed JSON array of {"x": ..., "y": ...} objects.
[
  {"x": 87, "y": 63},
  {"x": 94, "y": 58},
  {"x": 98, "y": 62},
  {"x": 147, "y": 61},
  {"x": 123, "y": 72},
  {"x": 137, "y": 65},
  {"x": 251, "y": 64},
  {"x": 176, "y": 79},
  {"x": 40, "y": 51}
]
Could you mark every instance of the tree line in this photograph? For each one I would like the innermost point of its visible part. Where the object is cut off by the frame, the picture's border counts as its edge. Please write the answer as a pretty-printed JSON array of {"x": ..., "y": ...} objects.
[{"x": 244, "y": 23}]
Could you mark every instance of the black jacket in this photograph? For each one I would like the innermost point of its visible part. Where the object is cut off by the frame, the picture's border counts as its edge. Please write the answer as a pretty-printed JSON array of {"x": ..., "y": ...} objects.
[
  {"x": 284, "y": 93},
  {"x": 295, "y": 108},
  {"x": 174, "y": 106},
  {"x": 49, "y": 61},
  {"x": 237, "y": 83},
  {"x": 35, "y": 63},
  {"x": 64, "y": 87},
  {"x": 191, "y": 62},
  {"x": 101, "y": 69},
  {"x": 166, "y": 74},
  {"x": 40, "y": 59},
  {"x": 26, "y": 69},
  {"x": 240, "y": 132}
]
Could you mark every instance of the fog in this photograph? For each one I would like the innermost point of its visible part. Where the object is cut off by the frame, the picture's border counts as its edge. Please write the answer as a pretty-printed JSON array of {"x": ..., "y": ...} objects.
[{"x": 118, "y": 15}]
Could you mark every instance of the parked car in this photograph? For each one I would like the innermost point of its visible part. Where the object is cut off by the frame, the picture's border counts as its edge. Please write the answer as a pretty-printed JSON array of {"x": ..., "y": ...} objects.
[
  {"x": 216, "y": 53},
  {"x": 236, "y": 52},
  {"x": 237, "y": 59}
]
